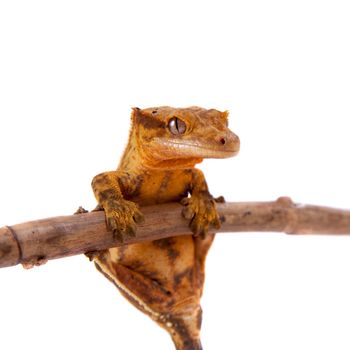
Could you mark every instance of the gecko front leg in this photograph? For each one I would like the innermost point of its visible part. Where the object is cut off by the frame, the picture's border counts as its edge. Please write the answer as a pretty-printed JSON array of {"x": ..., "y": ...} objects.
[
  {"x": 200, "y": 208},
  {"x": 121, "y": 215}
]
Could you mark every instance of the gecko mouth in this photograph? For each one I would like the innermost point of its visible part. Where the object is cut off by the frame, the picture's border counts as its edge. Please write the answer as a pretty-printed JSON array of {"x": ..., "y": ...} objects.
[{"x": 186, "y": 149}]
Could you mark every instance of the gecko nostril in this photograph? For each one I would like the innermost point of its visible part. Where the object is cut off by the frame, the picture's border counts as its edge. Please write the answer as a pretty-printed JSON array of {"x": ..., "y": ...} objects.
[{"x": 223, "y": 140}]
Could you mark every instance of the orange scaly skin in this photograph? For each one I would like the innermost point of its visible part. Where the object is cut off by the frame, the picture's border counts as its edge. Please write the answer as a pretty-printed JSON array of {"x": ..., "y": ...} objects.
[{"x": 164, "y": 278}]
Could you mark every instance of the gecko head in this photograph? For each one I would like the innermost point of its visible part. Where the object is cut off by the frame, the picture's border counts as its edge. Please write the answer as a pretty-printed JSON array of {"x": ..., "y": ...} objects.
[{"x": 168, "y": 135}]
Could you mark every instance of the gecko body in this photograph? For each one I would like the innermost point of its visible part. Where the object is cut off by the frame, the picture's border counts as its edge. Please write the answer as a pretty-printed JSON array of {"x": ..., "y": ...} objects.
[{"x": 164, "y": 278}]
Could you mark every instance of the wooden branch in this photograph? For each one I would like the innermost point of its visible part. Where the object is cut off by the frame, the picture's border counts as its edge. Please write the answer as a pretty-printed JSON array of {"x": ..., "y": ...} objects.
[{"x": 35, "y": 242}]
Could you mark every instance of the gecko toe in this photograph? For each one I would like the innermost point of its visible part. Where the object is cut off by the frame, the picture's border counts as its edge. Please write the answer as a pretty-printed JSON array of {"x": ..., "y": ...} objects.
[
  {"x": 220, "y": 199},
  {"x": 139, "y": 217},
  {"x": 131, "y": 231},
  {"x": 111, "y": 224},
  {"x": 216, "y": 223},
  {"x": 118, "y": 236},
  {"x": 199, "y": 227},
  {"x": 188, "y": 213},
  {"x": 185, "y": 201}
]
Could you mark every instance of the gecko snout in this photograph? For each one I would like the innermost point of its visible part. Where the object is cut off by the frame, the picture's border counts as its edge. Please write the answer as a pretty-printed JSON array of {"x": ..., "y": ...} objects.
[{"x": 228, "y": 142}]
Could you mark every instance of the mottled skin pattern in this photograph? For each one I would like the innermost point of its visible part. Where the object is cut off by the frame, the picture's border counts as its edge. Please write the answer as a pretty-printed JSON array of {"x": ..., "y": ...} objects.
[{"x": 164, "y": 278}]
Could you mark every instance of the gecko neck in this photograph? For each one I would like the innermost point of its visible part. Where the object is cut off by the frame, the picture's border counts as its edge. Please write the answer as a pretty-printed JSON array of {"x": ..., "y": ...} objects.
[{"x": 131, "y": 160}]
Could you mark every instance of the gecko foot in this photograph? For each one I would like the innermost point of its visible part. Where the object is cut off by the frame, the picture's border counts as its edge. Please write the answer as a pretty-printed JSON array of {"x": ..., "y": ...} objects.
[
  {"x": 81, "y": 210},
  {"x": 122, "y": 217},
  {"x": 93, "y": 254},
  {"x": 200, "y": 209}
]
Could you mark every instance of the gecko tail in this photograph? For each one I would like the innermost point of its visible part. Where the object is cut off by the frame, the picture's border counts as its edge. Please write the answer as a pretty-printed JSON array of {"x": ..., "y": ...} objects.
[
  {"x": 188, "y": 345},
  {"x": 185, "y": 331}
]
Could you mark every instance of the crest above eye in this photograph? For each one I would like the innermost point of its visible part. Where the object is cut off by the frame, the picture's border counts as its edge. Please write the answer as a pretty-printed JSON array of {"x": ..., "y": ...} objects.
[
  {"x": 177, "y": 126},
  {"x": 225, "y": 115},
  {"x": 146, "y": 120}
]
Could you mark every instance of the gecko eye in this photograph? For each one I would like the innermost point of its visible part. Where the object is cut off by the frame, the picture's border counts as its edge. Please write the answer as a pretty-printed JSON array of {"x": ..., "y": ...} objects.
[{"x": 177, "y": 126}]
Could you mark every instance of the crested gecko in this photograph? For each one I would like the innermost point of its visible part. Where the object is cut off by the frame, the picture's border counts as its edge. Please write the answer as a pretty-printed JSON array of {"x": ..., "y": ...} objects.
[{"x": 164, "y": 278}]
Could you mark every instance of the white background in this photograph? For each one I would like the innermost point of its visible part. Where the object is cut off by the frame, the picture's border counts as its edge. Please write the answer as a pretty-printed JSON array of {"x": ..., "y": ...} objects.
[{"x": 69, "y": 73}]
